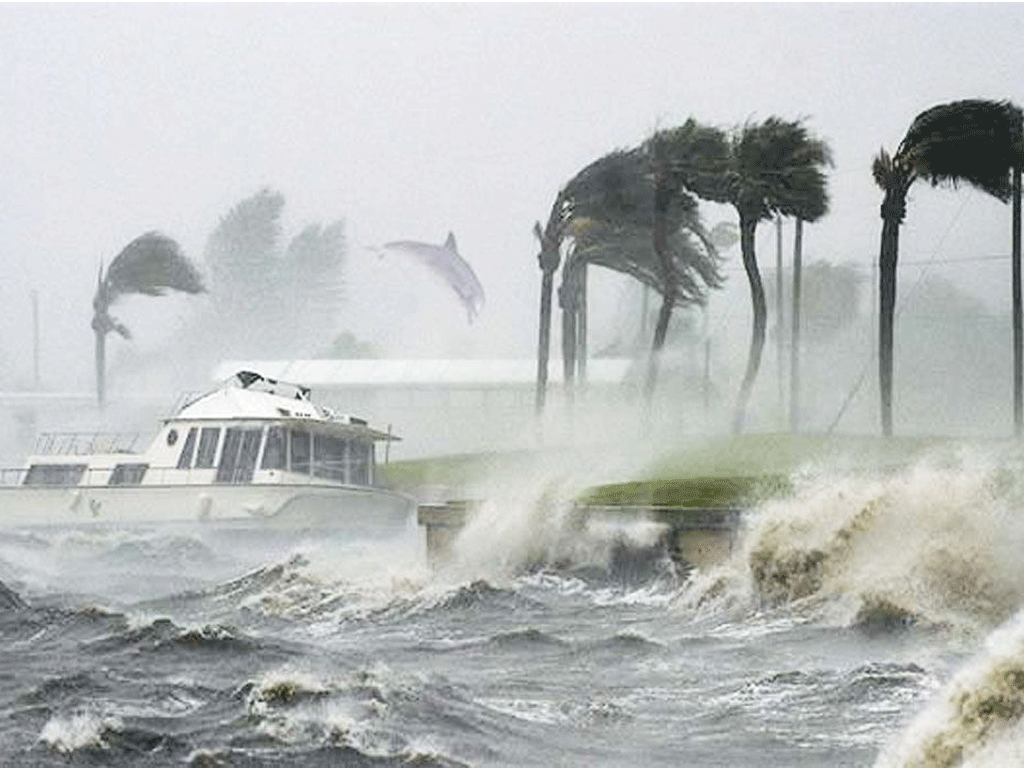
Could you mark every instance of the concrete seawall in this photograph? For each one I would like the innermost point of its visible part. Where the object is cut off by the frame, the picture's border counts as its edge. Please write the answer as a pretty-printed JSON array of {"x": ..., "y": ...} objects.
[{"x": 698, "y": 537}]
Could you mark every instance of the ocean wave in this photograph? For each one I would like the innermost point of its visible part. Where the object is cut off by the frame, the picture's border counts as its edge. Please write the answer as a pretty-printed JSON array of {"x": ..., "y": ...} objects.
[
  {"x": 88, "y": 731},
  {"x": 162, "y": 634},
  {"x": 330, "y": 756},
  {"x": 978, "y": 717},
  {"x": 10, "y": 600},
  {"x": 624, "y": 642},
  {"x": 527, "y": 638},
  {"x": 478, "y": 595},
  {"x": 932, "y": 544},
  {"x": 365, "y": 716}
]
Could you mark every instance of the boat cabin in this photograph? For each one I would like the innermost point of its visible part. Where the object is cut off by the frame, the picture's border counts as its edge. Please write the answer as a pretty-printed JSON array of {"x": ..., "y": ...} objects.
[{"x": 250, "y": 430}]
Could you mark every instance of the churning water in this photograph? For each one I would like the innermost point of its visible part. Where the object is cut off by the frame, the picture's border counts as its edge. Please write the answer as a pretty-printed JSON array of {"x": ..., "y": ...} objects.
[{"x": 868, "y": 618}]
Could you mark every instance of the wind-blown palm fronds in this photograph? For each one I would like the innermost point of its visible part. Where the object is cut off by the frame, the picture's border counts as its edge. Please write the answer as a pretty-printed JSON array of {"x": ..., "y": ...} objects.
[
  {"x": 775, "y": 167},
  {"x": 685, "y": 162},
  {"x": 616, "y": 213},
  {"x": 151, "y": 265},
  {"x": 974, "y": 141},
  {"x": 609, "y": 188}
]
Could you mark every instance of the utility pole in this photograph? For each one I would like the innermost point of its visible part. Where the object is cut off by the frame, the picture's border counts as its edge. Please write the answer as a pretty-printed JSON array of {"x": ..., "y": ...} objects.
[
  {"x": 35, "y": 338},
  {"x": 779, "y": 325},
  {"x": 1018, "y": 332}
]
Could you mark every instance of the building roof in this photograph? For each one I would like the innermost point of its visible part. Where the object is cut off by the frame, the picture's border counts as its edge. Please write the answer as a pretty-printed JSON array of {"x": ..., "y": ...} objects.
[{"x": 337, "y": 374}]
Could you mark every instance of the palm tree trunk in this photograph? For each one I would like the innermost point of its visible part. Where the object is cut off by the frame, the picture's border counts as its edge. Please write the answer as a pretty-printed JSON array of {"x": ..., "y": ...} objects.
[
  {"x": 794, "y": 359},
  {"x": 101, "y": 393},
  {"x": 886, "y": 314},
  {"x": 660, "y": 331},
  {"x": 544, "y": 340},
  {"x": 581, "y": 327},
  {"x": 747, "y": 227},
  {"x": 1018, "y": 330},
  {"x": 668, "y": 293},
  {"x": 569, "y": 343}
]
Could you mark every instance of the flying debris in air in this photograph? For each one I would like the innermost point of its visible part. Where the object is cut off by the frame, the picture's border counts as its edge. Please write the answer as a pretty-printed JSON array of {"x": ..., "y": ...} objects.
[{"x": 445, "y": 261}]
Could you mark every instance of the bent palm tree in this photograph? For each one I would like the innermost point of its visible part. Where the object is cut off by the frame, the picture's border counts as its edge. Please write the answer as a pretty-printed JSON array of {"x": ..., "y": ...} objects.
[
  {"x": 604, "y": 186},
  {"x": 694, "y": 266},
  {"x": 775, "y": 167},
  {"x": 151, "y": 264},
  {"x": 549, "y": 257},
  {"x": 974, "y": 140},
  {"x": 687, "y": 160}
]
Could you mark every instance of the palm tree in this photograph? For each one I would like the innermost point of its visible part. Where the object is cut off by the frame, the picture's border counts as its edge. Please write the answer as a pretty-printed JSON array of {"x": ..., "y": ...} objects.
[
  {"x": 604, "y": 188},
  {"x": 976, "y": 141},
  {"x": 628, "y": 248},
  {"x": 686, "y": 161},
  {"x": 775, "y": 167},
  {"x": 615, "y": 216},
  {"x": 549, "y": 257},
  {"x": 151, "y": 264}
]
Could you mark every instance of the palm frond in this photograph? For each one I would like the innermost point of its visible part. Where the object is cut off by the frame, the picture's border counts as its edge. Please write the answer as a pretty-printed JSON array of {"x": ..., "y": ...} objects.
[
  {"x": 882, "y": 170},
  {"x": 151, "y": 264},
  {"x": 628, "y": 249},
  {"x": 697, "y": 156},
  {"x": 973, "y": 140},
  {"x": 612, "y": 188},
  {"x": 778, "y": 167}
]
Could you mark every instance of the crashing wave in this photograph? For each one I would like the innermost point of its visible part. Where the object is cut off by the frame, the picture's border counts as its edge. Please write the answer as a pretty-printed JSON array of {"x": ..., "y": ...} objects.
[
  {"x": 978, "y": 719},
  {"x": 933, "y": 544}
]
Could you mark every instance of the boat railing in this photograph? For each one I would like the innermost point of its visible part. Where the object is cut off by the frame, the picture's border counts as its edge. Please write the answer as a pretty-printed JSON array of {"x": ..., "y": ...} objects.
[
  {"x": 170, "y": 476},
  {"x": 83, "y": 443},
  {"x": 184, "y": 400},
  {"x": 12, "y": 476}
]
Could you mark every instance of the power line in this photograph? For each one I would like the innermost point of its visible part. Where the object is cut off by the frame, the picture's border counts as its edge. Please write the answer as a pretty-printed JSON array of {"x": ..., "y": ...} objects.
[{"x": 899, "y": 311}]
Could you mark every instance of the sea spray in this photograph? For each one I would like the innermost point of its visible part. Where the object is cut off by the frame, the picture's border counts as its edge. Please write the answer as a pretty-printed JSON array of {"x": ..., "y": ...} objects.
[
  {"x": 976, "y": 719},
  {"x": 78, "y": 730},
  {"x": 935, "y": 542},
  {"x": 527, "y": 517},
  {"x": 522, "y": 528}
]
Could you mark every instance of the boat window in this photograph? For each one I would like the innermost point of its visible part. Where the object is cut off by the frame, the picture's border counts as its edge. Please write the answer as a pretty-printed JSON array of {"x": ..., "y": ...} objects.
[
  {"x": 54, "y": 474},
  {"x": 229, "y": 455},
  {"x": 185, "y": 459},
  {"x": 274, "y": 451},
  {"x": 208, "y": 440},
  {"x": 238, "y": 457},
  {"x": 247, "y": 454},
  {"x": 300, "y": 451},
  {"x": 128, "y": 474},
  {"x": 359, "y": 462},
  {"x": 329, "y": 457}
]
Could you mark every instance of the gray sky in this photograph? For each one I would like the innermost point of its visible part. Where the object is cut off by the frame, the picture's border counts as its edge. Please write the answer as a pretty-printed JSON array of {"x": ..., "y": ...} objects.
[{"x": 413, "y": 120}]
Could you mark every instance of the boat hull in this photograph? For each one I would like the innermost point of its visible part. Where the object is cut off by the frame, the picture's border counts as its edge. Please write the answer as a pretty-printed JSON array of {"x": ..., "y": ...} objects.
[{"x": 356, "y": 510}]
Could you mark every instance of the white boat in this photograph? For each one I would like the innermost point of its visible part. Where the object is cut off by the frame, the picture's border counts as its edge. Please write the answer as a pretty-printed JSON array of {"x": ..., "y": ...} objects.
[{"x": 254, "y": 452}]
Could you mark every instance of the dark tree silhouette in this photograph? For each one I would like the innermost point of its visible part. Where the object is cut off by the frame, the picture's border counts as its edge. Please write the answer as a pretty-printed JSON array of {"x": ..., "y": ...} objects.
[
  {"x": 151, "y": 265},
  {"x": 685, "y": 161},
  {"x": 603, "y": 189},
  {"x": 548, "y": 258},
  {"x": 775, "y": 167},
  {"x": 608, "y": 216},
  {"x": 975, "y": 141}
]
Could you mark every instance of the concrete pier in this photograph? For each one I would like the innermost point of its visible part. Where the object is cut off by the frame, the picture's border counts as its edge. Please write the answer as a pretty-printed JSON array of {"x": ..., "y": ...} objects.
[{"x": 699, "y": 537}]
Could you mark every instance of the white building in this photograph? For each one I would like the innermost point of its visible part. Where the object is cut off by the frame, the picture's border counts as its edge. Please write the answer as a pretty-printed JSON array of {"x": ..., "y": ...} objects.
[{"x": 450, "y": 406}]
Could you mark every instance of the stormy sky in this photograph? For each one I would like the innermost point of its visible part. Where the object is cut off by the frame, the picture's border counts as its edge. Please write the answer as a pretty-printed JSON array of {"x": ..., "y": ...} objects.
[{"x": 412, "y": 120}]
